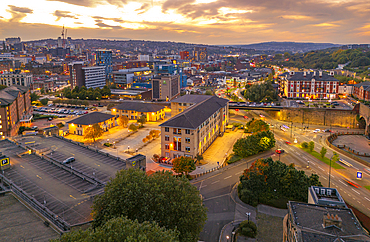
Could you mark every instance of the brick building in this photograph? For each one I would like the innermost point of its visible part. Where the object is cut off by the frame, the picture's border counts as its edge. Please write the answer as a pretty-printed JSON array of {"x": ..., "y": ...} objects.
[
  {"x": 362, "y": 91},
  {"x": 313, "y": 85},
  {"x": 15, "y": 108},
  {"x": 192, "y": 131},
  {"x": 165, "y": 87}
]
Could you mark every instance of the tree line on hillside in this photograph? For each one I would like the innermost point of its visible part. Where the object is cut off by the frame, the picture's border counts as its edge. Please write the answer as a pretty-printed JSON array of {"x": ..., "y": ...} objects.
[
  {"x": 357, "y": 59},
  {"x": 86, "y": 94}
]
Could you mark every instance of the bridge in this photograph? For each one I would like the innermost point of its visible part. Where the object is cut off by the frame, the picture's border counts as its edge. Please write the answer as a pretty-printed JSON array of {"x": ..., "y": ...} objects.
[{"x": 364, "y": 117}]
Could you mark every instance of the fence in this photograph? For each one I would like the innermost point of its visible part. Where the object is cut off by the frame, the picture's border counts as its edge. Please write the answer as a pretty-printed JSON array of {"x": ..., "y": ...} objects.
[
  {"x": 41, "y": 209},
  {"x": 223, "y": 164}
]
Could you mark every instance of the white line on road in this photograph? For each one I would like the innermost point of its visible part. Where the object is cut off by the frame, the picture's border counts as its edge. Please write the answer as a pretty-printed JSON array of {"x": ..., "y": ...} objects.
[
  {"x": 238, "y": 173},
  {"x": 325, "y": 178},
  {"x": 343, "y": 183},
  {"x": 216, "y": 197},
  {"x": 355, "y": 191},
  {"x": 215, "y": 182},
  {"x": 367, "y": 198},
  {"x": 227, "y": 177},
  {"x": 320, "y": 168}
]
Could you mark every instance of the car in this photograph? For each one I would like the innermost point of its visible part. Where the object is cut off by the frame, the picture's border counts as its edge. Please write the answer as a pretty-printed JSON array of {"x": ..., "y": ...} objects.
[
  {"x": 50, "y": 118},
  {"x": 345, "y": 162},
  {"x": 34, "y": 127},
  {"x": 327, "y": 131},
  {"x": 69, "y": 160},
  {"x": 279, "y": 151},
  {"x": 317, "y": 131},
  {"x": 352, "y": 183},
  {"x": 288, "y": 142}
]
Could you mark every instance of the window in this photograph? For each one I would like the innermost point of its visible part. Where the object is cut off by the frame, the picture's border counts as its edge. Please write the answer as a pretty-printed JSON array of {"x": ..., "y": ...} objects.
[
  {"x": 187, "y": 140},
  {"x": 167, "y": 138},
  {"x": 167, "y": 154},
  {"x": 180, "y": 110},
  {"x": 177, "y": 131},
  {"x": 167, "y": 146},
  {"x": 187, "y": 149},
  {"x": 187, "y": 131},
  {"x": 166, "y": 129}
]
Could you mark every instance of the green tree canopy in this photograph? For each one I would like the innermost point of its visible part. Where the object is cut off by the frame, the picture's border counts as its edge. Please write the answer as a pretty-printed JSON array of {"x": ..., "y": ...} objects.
[
  {"x": 133, "y": 127},
  {"x": 172, "y": 202},
  {"x": 34, "y": 96},
  {"x": 93, "y": 132},
  {"x": 44, "y": 101},
  {"x": 254, "y": 144},
  {"x": 267, "y": 179},
  {"x": 142, "y": 119},
  {"x": 122, "y": 229},
  {"x": 323, "y": 152},
  {"x": 311, "y": 146},
  {"x": 256, "y": 125},
  {"x": 183, "y": 165},
  {"x": 263, "y": 92}
]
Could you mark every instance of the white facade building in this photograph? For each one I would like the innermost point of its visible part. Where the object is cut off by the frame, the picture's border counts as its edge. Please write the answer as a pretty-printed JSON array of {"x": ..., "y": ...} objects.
[
  {"x": 22, "y": 79},
  {"x": 94, "y": 76}
]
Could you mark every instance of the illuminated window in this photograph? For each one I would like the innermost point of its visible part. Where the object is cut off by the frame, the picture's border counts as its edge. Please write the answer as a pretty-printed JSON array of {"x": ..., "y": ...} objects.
[
  {"x": 167, "y": 138},
  {"x": 167, "y": 146},
  {"x": 187, "y": 149}
]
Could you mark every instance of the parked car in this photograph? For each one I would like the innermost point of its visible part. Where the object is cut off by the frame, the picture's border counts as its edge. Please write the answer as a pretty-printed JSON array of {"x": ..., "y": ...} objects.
[
  {"x": 317, "y": 131},
  {"x": 327, "y": 131},
  {"x": 69, "y": 160}
]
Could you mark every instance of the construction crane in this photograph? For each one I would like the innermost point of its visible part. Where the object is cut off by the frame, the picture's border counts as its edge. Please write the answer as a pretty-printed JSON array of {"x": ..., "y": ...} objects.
[{"x": 64, "y": 35}]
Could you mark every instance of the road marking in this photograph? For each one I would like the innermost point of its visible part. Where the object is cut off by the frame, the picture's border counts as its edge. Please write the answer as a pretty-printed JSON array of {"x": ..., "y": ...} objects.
[
  {"x": 355, "y": 191},
  {"x": 367, "y": 198},
  {"x": 22, "y": 166},
  {"x": 343, "y": 183},
  {"x": 227, "y": 194},
  {"x": 39, "y": 176},
  {"x": 238, "y": 173},
  {"x": 227, "y": 177},
  {"x": 320, "y": 168},
  {"x": 325, "y": 178},
  {"x": 96, "y": 164},
  {"x": 215, "y": 182},
  {"x": 72, "y": 196}
]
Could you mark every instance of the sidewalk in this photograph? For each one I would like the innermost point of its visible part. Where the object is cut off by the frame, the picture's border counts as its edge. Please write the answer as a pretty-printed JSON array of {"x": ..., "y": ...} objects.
[{"x": 218, "y": 151}]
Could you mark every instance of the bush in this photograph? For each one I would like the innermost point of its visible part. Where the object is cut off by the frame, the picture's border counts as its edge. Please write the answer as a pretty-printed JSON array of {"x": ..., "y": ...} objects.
[
  {"x": 44, "y": 101},
  {"x": 108, "y": 144},
  {"x": 233, "y": 158},
  {"x": 304, "y": 145},
  {"x": 248, "y": 229},
  {"x": 133, "y": 127}
]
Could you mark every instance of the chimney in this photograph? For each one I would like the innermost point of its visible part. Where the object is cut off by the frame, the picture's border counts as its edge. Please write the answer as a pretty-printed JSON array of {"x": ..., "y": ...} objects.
[
  {"x": 320, "y": 73},
  {"x": 304, "y": 74},
  {"x": 292, "y": 73},
  {"x": 330, "y": 220},
  {"x": 314, "y": 73},
  {"x": 331, "y": 73}
]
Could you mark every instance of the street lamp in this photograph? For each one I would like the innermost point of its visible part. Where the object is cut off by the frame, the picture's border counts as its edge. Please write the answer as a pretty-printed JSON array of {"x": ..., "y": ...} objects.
[
  {"x": 227, "y": 237},
  {"x": 330, "y": 169},
  {"x": 248, "y": 214},
  {"x": 128, "y": 149}
]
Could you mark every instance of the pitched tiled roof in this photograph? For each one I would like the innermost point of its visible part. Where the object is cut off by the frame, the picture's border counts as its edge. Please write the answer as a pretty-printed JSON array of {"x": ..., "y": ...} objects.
[
  {"x": 299, "y": 76},
  {"x": 190, "y": 98},
  {"x": 139, "y": 106},
  {"x": 9, "y": 94},
  {"x": 364, "y": 84},
  {"x": 91, "y": 118},
  {"x": 195, "y": 115}
]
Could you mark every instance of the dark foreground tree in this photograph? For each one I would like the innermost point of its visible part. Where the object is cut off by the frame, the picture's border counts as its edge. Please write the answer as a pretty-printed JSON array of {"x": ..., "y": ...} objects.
[
  {"x": 170, "y": 201},
  {"x": 122, "y": 229}
]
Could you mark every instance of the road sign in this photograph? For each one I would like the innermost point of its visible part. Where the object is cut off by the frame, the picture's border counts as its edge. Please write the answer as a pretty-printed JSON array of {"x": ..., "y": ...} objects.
[
  {"x": 5, "y": 161},
  {"x": 134, "y": 163},
  {"x": 359, "y": 175}
]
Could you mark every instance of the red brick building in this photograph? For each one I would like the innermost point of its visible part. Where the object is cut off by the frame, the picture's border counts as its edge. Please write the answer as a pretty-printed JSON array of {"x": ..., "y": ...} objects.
[
  {"x": 362, "y": 91},
  {"x": 313, "y": 85},
  {"x": 15, "y": 108}
]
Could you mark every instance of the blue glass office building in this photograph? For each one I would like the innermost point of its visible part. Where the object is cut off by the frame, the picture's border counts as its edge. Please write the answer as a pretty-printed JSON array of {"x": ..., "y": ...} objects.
[
  {"x": 172, "y": 69},
  {"x": 104, "y": 58}
]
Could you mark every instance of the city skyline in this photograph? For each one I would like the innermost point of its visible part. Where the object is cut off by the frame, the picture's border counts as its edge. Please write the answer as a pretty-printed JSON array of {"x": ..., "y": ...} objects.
[{"x": 192, "y": 21}]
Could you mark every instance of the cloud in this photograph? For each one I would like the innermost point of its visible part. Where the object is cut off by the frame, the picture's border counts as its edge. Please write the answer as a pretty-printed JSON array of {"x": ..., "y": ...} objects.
[
  {"x": 18, "y": 13},
  {"x": 113, "y": 19},
  {"x": 85, "y": 3},
  {"x": 63, "y": 14},
  {"x": 103, "y": 25}
]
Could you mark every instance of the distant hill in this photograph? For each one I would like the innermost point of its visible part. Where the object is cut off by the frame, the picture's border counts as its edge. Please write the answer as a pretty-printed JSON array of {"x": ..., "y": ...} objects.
[{"x": 292, "y": 47}]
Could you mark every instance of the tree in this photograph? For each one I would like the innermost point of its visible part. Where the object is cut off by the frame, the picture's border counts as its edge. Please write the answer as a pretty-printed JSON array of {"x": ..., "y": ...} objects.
[
  {"x": 3, "y": 87},
  {"x": 304, "y": 145},
  {"x": 335, "y": 157},
  {"x": 253, "y": 144},
  {"x": 122, "y": 229},
  {"x": 256, "y": 125},
  {"x": 44, "y": 101},
  {"x": 323, "y": 152},
  {"x": 248, "y": 228},
  {"x": 122, "y": 121},
  {"x": 133, "y": 127},
  {"x": 34, "y": 96},
  {"x": 94, "y": 131},
  {"x": 142, "y": 119},
  {"x": 208, "y": 92},
  {"x": 154, "y": 133},
  {"x": 172, "y": 202},
  {"x": 198, "y": 157},
  {"x": 145, "y": 140},
  {"x": 311, "y": 146},
  {"x": 183, "y": 165},
  {"x": 105, "y": 91}
]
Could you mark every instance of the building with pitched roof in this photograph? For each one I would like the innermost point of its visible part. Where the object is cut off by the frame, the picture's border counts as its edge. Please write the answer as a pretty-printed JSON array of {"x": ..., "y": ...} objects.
[
  {"x": 79, "y": 125},
  {"x": 313, "y": 85},
  {"x": 181, "y": 103},
  {"x": 134, "y": 110},
  {"x": 362, "y": 91},
  {"x": 314, "y": 222},
  {"x": 15, "y": 109},
  {"x": 192, "y": 131}
]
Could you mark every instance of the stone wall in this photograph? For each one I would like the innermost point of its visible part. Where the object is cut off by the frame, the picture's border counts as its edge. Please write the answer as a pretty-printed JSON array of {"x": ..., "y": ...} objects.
[{"x": 317, "y": 116}]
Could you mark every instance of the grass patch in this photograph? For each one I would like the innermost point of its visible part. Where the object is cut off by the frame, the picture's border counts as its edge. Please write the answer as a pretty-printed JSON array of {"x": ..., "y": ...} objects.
[
  {"x": 233, "y": 158},
  {"x": 325, "y": 159},
  {"x": 367, "y": 187},
  {"x": 270, "y": 228},
  {"x": 278, "y": 202}
]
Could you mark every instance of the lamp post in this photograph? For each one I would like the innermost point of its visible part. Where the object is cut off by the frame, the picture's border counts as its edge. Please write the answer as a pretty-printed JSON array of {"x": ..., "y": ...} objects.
[
  {"x": 227, "y": 237},
  {"x": 330, "y": 169},
  {"x": 248, "y": 214},
  {"x": 128, "y": 149},
  {"x": 291, "y": 129}
]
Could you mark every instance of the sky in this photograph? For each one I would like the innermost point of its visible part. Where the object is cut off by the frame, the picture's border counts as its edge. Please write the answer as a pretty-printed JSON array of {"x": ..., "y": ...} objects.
[{"x": 219, "y": 22}]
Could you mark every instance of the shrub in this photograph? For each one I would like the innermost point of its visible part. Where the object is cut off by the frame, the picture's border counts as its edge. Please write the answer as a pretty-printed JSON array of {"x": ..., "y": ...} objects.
[
  {"x": 133, "y": 127},
  {"x": 155, "y": 157},
  {"x": 248, "y": 229},
  {"x": 304, "y": 145},
  {"x": 108, "y": 144}
]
